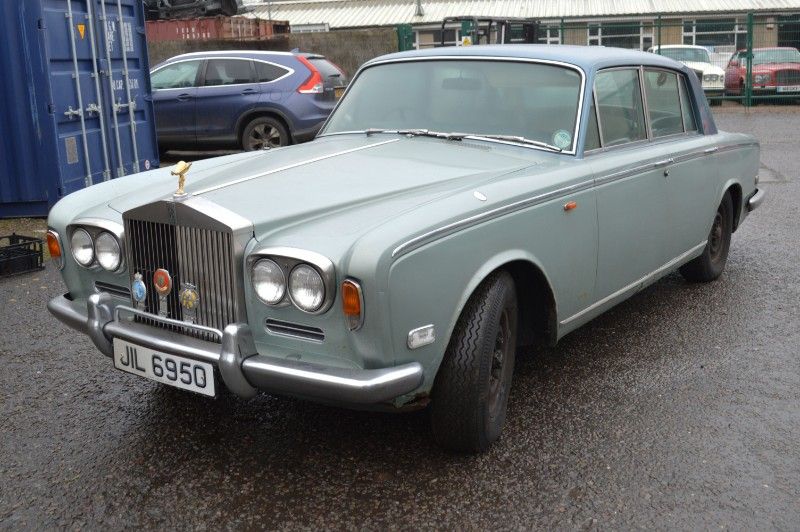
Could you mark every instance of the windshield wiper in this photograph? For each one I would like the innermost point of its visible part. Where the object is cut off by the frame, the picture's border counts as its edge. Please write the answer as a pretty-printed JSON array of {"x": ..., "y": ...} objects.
[
  {"x": 518, "y": 139},
  {"x": 460, "y": 136}
]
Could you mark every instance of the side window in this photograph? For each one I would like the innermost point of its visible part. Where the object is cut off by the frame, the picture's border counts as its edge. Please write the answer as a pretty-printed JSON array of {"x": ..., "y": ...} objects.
[
  {"x": 175, "y": 76},
  {"x": 663, "y": 102},
  {"x": 266, "y": 72},
  {"x": 228, "y": 72},
  {"x": 620, "y": 110},
  {"x": 689, "y": 123},
  {"x": 592, "y": 131}
]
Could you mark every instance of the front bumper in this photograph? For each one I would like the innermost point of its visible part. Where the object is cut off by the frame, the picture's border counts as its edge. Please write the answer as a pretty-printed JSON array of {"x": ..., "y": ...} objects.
[
  {"x": 755, "y": 200},
  {"x": 242, "y": 368}
]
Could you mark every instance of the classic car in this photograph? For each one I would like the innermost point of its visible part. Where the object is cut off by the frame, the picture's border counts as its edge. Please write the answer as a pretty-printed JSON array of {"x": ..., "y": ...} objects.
[
  {"x": 697, "y": 59},
  {"x": 458, "y": 203},
  {"x": 775, "y": 71}
]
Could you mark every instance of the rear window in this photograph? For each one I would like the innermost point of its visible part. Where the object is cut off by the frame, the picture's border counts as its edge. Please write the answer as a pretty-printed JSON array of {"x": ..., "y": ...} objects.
[{"x": 326, "y": 68}]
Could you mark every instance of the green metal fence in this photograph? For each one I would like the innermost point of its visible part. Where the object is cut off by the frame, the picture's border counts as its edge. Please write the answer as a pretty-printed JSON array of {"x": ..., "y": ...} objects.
[{"x": 745, "y": 58}]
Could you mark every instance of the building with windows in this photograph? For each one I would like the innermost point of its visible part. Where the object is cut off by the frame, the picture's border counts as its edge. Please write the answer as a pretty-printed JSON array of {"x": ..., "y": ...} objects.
[{"x": 719, "y": 25}]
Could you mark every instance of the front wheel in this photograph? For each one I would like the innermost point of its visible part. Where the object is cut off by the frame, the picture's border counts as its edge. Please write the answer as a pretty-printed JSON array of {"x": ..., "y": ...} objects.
[
  {"x": 470, "y": 395},
  {"x": 264, "y": 132},
  {"x": 711, "y": 263}
]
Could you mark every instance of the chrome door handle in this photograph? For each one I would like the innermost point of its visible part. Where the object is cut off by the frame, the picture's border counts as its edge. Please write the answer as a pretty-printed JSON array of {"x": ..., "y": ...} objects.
[
  {"x": 665, "y": 162},
  {"x": 184, "y": 97},
  {"x": 249, "y": 91},
  {"x": 711, "y": 150}
]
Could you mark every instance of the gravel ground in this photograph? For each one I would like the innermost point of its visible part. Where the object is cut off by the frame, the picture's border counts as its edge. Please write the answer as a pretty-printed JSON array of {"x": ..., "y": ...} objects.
[{"x": 678, "y": 409}]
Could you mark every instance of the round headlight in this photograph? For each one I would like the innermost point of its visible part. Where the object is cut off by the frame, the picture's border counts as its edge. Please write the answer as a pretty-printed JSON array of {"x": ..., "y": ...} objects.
[
  {"x": 82, "y": 247},
  {"x": 269, "y": 281},
  {"x": 306, "y": 288},
  {"x": 107, "y": 250}
]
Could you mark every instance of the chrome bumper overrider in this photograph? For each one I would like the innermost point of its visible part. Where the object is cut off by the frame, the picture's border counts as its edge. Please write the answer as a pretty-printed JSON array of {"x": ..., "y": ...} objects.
[
  {"x": 755, "y": 200},
  {"x": 243, "y": 369}
]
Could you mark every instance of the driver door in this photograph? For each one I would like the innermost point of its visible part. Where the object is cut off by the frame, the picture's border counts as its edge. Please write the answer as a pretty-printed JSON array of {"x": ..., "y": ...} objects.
[{"x": 174, "y": 99}]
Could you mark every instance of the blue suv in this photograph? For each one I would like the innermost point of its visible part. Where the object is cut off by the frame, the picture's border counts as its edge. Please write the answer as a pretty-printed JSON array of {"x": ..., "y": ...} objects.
[{"x": 246, "y": 99}]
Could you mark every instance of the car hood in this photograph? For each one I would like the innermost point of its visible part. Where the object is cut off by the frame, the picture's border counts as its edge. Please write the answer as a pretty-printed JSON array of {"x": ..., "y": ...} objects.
[
  {"x": 287, "y": 186},
  {"x": 706, "y": 68},
  {"x": 772, "y": 67}
]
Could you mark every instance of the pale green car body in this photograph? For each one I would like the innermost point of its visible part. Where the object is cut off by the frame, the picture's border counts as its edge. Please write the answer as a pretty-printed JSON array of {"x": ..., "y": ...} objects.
[{"x": 419, "y": 222}]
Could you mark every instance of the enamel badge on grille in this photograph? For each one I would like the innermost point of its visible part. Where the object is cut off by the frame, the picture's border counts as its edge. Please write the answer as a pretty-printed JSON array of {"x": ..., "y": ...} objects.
[
  {"x": 189, "y": 298},
  {"x": 162, "y": 281},
  {"x": 138, "y": 289}
]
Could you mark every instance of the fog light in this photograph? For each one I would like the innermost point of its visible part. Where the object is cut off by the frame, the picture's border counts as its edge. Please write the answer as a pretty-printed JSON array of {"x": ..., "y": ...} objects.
[{"x": 421, "y": 336}]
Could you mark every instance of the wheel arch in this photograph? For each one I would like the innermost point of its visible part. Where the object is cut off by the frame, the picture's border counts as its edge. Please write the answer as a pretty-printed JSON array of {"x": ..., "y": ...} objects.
[
  {"x": 538, "y": 316},
  {"x": 734, "y": 188},
  {"x": 247, "y": 117}
]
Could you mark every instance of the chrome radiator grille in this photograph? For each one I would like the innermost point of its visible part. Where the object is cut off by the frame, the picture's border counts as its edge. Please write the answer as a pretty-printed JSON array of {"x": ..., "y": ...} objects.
[
  {"x": 201, "y": 257},
  {"x": 787, "y": 77}
]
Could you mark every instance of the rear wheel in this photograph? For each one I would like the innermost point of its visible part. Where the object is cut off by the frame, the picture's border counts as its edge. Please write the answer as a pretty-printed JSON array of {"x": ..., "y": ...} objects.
[
  {"x": 470, "y": 395},
  {"x": 711, "y": 263},
  {"x": 264, "y": 132}
]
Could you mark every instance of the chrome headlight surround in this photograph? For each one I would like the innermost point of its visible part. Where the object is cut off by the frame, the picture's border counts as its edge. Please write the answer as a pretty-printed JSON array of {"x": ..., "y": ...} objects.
[
  {"x": 95, "y": 227},
  {"x": 291, "y": 258},
  {"x": 762, "y": 79}
]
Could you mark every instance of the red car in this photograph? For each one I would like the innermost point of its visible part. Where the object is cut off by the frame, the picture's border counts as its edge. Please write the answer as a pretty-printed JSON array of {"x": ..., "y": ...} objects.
[{"x": 775, "y": 71}]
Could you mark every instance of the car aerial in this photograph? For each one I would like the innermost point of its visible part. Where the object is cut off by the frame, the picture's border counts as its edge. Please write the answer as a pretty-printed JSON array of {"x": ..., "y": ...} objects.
[
  {"x": 243, "y": 99},
  {"x": 697, "y": 59},
  {"x": 775, "y": 71},
  {"x": 459, "y": 203}
]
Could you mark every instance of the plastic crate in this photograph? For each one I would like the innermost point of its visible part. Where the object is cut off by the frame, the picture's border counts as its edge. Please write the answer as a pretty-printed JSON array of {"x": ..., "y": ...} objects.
[{"x": 20, "y": 254}]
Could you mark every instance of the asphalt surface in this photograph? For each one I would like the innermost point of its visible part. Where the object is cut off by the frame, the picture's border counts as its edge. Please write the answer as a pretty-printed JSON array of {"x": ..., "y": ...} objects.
[{"x": 680, "y": 408}]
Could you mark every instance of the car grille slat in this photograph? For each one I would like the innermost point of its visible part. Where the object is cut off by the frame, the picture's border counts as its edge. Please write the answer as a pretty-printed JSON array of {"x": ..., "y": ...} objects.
[
  {"x": 199, "y": 256},
  {"x": 787, "y": 77}
]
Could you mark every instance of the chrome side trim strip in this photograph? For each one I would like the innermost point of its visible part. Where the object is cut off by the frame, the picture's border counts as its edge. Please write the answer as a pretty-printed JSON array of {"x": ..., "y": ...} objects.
[
  {"x": 736, "y": 146},
  {"x": 477, "y": 219},
  {"x": 634, "y": 284},
  {"x": 290, "y": 166}
]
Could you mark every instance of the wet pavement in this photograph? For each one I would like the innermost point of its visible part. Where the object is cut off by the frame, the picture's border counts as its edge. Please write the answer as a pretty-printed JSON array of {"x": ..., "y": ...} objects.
[{"x": 680, "y": 408}]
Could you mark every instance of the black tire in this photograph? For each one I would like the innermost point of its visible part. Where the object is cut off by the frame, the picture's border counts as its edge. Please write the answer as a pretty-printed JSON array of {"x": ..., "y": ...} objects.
[
  {"x": 470, "y": 395},
  {"x": 711, "y": 263},
  {"x": 263, "y": 132}
]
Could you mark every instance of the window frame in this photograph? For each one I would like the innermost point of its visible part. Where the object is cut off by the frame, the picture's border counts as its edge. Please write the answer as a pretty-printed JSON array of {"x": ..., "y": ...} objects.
[
  {"x": 648, "y": 128},
  {"x": 574, "y": 148},
  {"x": 200, "y": 68}
]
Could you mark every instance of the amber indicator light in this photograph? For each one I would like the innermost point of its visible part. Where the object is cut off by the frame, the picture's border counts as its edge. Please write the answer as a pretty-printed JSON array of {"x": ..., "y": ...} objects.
[
  {"x": 52, "y": 246},
  {"x": 351, "y": 300},
  {"x": 570, "y": 205}
]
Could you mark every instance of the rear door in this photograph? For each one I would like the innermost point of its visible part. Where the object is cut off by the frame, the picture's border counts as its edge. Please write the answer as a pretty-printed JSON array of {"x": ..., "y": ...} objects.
[
  {"x": 631, "y": 189},
  {"x": 174, "y": 93},
  {"x": 227, "y": 91}
]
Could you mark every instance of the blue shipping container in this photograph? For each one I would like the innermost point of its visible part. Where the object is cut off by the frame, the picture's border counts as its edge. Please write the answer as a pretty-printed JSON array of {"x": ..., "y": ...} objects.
[{"x": 76, "y": 107}]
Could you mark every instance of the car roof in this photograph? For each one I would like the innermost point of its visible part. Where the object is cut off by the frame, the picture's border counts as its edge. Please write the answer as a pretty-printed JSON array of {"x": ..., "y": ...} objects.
[
  {"x": 585, "y": 57},
  {"x": 665, "y": 46},
  {"x": 247, "y": 54}
]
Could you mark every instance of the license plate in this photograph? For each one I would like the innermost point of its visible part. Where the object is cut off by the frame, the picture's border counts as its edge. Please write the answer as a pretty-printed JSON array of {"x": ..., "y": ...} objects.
[
  {"x": 161, "y": 367},
  {"x": 338, "y": 91},
  {"x": 789, "y": 88}
]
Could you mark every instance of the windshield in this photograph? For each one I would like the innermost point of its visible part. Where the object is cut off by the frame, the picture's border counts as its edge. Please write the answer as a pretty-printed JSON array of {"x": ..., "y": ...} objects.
[
  {"x": 535, "y": 101},
  {"x": 763, "y": 57},
  {"x": 697, "y": 55}
]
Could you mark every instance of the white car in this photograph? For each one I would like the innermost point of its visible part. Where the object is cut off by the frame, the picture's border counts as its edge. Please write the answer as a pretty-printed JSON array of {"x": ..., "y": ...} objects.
[{"x": 697, "y": 58}]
